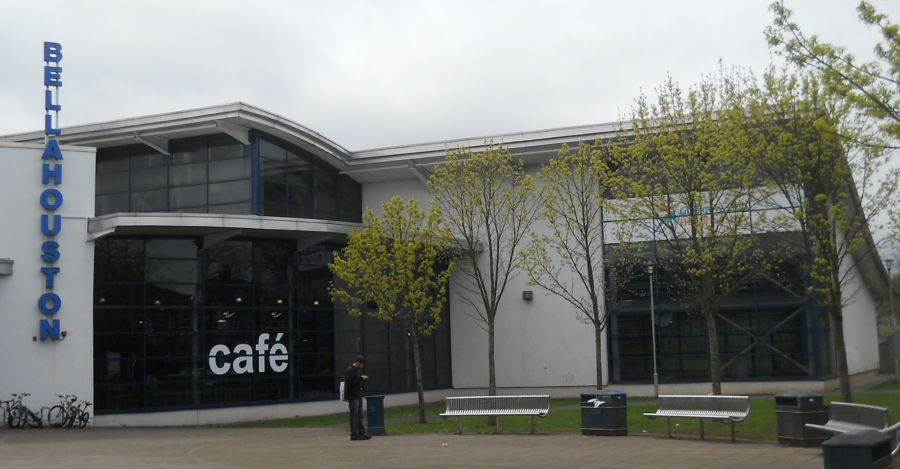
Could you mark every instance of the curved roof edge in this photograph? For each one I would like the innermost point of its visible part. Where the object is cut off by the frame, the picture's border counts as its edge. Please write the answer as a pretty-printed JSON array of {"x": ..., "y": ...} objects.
[
  {"x": 156, "y": 129},
  {"x": 228, "y": 118}
]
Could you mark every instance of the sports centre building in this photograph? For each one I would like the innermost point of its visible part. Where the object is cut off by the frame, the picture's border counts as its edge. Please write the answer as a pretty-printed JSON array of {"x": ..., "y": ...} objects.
[{"x": 185, "y": 257}]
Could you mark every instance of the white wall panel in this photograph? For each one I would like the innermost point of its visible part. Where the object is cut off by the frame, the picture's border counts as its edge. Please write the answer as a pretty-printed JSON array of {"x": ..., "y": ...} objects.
[{"x": 46, "y": 368}]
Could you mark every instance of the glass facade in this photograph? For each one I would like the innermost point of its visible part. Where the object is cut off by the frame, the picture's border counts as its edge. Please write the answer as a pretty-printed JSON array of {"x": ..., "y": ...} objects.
[
  {"x": 177, "y": 325},
  {"x": 209, "y": 174},
  {"x": 766, "y": 330},
  {"x": 181, "y": 325},
  {"x": 294, "y": 183},
  {"x": 216, "y": 174}
]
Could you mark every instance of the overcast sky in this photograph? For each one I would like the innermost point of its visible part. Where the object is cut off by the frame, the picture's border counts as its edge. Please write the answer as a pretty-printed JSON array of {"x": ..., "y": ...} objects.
[{"x": 377, "y": 73}]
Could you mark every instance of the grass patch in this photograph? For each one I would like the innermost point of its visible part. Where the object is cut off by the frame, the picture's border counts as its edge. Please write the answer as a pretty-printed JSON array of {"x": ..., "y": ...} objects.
[
  {"x": 565, "y": 417},
  {"x": 294, "y": 422},
  {"x": 886, "y": 386}
]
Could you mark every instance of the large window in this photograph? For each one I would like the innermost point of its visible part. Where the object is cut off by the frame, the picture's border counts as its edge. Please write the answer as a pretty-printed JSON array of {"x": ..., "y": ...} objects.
[
  {"x": 294, "y": 183},
  {"x": 163, "y": 306},
  {"x": 215, "y": 174},
  {"x": 763, "y": 332},
  {"x": 208, "y": 174}
]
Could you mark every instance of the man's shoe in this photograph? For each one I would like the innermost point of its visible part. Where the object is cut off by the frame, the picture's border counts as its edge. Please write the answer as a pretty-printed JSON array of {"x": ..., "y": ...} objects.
[{"x": 366, "y": 437}]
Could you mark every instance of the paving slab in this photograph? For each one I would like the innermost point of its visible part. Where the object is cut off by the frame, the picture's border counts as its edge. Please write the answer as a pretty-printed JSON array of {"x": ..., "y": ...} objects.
[{"x": 331, "y": 447}]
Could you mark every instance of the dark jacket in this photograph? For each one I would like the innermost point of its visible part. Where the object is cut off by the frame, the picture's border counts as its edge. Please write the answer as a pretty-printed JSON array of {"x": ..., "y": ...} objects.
[{"x": 353, "y": 383}]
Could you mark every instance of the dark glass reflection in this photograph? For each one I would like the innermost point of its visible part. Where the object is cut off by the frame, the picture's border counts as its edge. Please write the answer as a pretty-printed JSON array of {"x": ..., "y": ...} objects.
[
  {"x": 162, "y": 304},
  {"x": 762, "y": 333},
  {"x": 294, "y": 183},
  {"x": 209, "y": 174}
]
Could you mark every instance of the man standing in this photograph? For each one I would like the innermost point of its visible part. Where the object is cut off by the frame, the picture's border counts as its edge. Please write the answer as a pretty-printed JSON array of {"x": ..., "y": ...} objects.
[{"x": 353, "y": 384}]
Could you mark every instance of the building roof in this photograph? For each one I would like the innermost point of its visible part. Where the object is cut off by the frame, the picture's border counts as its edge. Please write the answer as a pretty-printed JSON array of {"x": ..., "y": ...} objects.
[{"x": 373, "y": 165}]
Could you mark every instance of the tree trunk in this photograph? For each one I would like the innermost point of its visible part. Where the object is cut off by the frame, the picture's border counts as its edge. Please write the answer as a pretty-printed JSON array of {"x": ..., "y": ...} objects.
[
  {"x": 843, "y": 370},
  {"x": 492, "y": 375},
  {"x": 492, "y": 371},
  {"x": 837, "y": 316},
  {"x": 417, "y": 363},
  {"x": 598, "y": 338},
  {"x": 712, "y": 332}
]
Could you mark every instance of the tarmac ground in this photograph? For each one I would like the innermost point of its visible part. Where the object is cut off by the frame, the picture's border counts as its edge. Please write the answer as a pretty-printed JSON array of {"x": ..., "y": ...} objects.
[{"x": 331, "y": 447}]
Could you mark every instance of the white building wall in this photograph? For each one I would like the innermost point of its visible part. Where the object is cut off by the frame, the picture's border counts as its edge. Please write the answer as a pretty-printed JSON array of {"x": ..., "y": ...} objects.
[
  {"x": 46, "y": 369},
  {"x": 375, "y": 193},
  {"x": 860, "y": 324},
  {"x": 537, "y": 344}
]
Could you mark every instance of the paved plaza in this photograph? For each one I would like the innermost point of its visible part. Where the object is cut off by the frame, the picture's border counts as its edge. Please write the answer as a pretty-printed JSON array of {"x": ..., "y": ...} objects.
[{"x": 330, "y": 447}]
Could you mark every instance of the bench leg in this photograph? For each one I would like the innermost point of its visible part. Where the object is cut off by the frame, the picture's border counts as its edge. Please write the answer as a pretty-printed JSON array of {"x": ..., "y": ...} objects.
[
  {"x": 532, "y": 424},
  {"x": 732, "y": 431},
  {"x": 669, "y": 426},
  {"x": 459, "y": 431},
  {"x": 701, "y": 429}
]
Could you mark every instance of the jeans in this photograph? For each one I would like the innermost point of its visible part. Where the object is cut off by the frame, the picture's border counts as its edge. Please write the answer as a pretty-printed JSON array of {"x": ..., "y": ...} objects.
[{"x": 356, "y": 423}]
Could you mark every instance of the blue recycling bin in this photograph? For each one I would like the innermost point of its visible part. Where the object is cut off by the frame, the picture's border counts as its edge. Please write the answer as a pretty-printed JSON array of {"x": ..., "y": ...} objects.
[{"x": 375, "y": 414}]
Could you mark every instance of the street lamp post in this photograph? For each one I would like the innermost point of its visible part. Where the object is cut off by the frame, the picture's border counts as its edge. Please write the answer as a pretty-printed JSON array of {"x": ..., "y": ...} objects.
[
  {"x": 889, "y": 263},
  {"x": 653, "y": 333}
]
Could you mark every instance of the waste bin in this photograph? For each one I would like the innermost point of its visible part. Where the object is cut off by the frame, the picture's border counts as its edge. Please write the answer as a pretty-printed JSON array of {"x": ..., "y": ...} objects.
[
  {"x": 375, "y": 414},
  {"x": 858, "y": 449},
  {"x": 604, "y": 413},
  {"x": 793, "y": 411}
]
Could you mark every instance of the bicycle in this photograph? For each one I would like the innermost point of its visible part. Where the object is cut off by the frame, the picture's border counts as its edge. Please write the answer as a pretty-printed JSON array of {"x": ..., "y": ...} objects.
[
  {"x": 57, "y": 415},
  {"x": 18, "y": 415},
  {"x": 70, "y": 412},
  {"x": 84, "y": 417}
]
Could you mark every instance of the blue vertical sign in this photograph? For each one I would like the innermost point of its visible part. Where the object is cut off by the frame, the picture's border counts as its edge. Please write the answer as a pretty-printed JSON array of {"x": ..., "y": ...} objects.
[{"x": 51, "y": 199}]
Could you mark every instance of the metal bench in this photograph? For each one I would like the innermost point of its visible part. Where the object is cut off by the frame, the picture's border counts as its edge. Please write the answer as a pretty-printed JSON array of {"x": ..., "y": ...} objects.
[
  {"x": 468, "y": 406},
  {"x": 731, "y": 408},
  {"x": 846, "y": 416}
]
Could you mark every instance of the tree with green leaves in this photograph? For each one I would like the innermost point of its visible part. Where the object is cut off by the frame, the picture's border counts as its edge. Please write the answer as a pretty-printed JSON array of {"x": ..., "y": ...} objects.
[
  {"x": 684, "y": 178},
  {"x": 824, "y": 163},
  {"x": 872, "y": 88},
  {"x": 489, "y": 204},
  {"x": 569, "y": 260},
  {"x": 398, "y": 262}
]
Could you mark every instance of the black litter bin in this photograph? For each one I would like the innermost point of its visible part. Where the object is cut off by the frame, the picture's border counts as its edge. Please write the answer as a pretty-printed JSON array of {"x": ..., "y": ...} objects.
[
  {"x": 604, "y": 413},
  {"x": 793, "y": 411},
  {"x": 375, "y": 413},
  {"x": 858, "y": 449}
]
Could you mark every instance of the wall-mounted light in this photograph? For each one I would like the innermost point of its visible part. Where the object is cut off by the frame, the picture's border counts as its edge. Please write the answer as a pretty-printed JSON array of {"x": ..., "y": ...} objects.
[
  {"x": 527, "y": 295},
  {"x": 102, "y": 300},
  {"x": 279, "y": 301},
  {"x": 156, "y": 301},
  {"x": 315, "y": 302},
  {"x": 238, "y": 300},
  {"x": 6, "y": 266}
]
